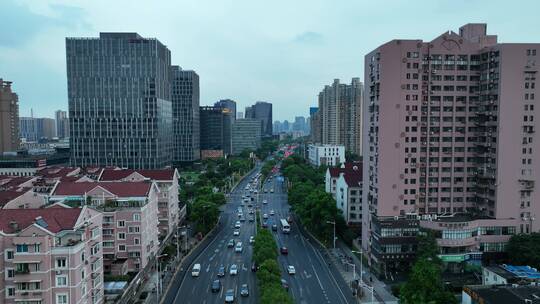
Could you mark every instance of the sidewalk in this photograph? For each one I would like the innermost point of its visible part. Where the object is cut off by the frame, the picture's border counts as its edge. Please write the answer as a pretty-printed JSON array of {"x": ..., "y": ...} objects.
[{"x": 344, "y": 259}]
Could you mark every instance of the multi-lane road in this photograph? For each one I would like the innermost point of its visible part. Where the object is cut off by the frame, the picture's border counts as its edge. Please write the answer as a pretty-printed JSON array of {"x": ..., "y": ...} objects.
[{"x": 314, "y": 282}]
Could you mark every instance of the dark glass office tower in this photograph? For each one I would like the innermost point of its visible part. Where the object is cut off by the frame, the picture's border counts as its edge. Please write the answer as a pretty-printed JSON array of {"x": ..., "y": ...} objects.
[
  {"x": 262, "y": 111},
  {"x": 119, "y": 101},
  {"x": 216, "y": 127},
  {"x": 185, "y": 107},
  {"x": 227, "y": 104}
]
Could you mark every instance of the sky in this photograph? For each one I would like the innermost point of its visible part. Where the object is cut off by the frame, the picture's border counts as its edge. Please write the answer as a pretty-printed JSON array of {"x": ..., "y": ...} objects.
[{"x": 279, "y": 51}]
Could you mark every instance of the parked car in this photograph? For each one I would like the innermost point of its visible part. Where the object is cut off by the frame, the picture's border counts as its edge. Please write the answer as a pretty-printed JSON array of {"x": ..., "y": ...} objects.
[{"x": 216, "y": 286}]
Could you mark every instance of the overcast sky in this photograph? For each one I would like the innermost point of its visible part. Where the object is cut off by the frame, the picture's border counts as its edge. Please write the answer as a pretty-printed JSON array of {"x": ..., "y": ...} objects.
[{"x": 283, "y": 52}]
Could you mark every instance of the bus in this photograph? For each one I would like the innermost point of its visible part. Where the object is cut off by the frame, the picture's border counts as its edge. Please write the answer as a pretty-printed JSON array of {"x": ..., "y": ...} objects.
[{"x": 285, "y": 227}]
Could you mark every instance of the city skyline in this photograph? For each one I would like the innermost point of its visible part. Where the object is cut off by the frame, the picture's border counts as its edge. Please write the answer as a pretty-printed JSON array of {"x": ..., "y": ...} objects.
[{"x": 39, "y": 73}]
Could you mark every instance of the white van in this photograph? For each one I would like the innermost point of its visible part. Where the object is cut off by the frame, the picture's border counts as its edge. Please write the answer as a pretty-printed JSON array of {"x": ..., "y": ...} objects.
[{"x": 196, "y": 270}]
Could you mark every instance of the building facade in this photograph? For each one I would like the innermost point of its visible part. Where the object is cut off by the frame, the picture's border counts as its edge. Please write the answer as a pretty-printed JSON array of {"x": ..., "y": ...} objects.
[
  {"x": 216, "y": 124},
  {"x": 450, "y": 144},
  {"x": 326, "y": 155},
  {"x": 262, "y": 111},
  {"x": 130, "y": 219},
  {"x": 315, "y": 125},
  {"x": 62, "y": 124},
  {"x": 51, "y": 255},
  {"x": 37, "y": 129},
  {"x": 340, "y": 108},
  {"x": 246, "y": 135},
  {"x": 228, "y": 104},
  {"x": 9, "y": 118},
  {"x": 185, "y": 112},
  {"x": 119, "y": 101},
  {"x": 348, "y": 194}
]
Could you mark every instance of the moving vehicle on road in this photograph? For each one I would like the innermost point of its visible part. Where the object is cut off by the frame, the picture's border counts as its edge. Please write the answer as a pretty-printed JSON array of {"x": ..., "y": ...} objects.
[
  {"x": 230, "y": 244},
  {"x": 238, "y": 247},
  {"x": 229, "y": 296},
  {"x": 265, "y": 216},
  {"x": 291, "y": 270},
  {"x": 285, "y": 227},
  {"x": 272, "y": 212},
  {"x": 233, "y": 270},
  {"x": 236, "y": 233},
  {"x": 244, "y": 291},
  {"x": 265, "y": 202},
  {"x": 237, "y": 225},
  {"x": 251, "y": 239},
  {"x": 271, "y": 190},
  {"x": 216, "y": 286},
  {"x": 221, "y": 271},
  {"x": 196, "y": 270},
  {"x": 285, "y": 284},
  {"x": 274, "y": 227},
  {"x": 284, "y": 250}
]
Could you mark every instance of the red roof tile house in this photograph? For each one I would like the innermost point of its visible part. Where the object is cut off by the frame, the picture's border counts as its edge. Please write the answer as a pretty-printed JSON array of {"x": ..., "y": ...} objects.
[
  {"x": 332, "y": 175},
  {"x": 17, "y": 192},
  {"x": 349, "y": 194},
  {"x": 130, "y": 219},
  {"x": 51, "y": 255},
  {"x": 170, "y": 211}
]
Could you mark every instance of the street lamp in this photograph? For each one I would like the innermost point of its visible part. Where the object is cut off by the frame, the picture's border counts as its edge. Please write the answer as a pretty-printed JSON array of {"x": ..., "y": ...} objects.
[
  {"x": 361, "y": 264},
  {"x": 333, "y": 223},
  {"x": 158, "y": 289}
]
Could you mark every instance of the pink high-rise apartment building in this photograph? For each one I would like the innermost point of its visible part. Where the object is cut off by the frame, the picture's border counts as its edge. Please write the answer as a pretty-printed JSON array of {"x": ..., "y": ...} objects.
[
  {"x": 130, "y": 219},
  {"x": 449, "y": 145},
  {"x": 51, "y": 255},
  {"x": 170, "y": 212}
]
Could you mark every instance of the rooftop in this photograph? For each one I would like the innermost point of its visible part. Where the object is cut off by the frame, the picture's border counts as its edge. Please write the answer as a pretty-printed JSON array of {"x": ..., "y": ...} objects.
[
  {"x": 120, "y": 189},
  {"x": 53, "y": 219},
  {"x": 119, "y": 174},
  {"x": 498, "y": 294}
]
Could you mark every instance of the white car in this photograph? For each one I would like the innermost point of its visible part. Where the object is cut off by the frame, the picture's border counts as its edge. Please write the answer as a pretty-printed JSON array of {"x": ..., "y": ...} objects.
[
  {"x": 265, "y": 202},
  {"x": 265, "y": 216},
  {"x": 237, "y": 225},
  {"x": 233, "y": 270},
  {"x": 291, "y": 270},
  {"x": 238, "y": 247},
  {"x": 251, "y": 239},
  {"x": 272, "y": 212},
  {"x": 236, "y": 233}
]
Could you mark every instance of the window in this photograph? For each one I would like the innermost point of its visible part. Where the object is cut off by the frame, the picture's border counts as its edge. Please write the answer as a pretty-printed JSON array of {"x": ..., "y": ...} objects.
[
  {"x": 61, "y": 281},
  {"x": 61, "y": 263},
  {"x": 121, "y": 235},
  {"x": 10, "y": 291},
  {"x": 134, "y": 229},
  {"x": 37, "y": 247},
  {"x": 21, "y": 248},
  {"x": 95, "y": 232},
  {"x": 136, "y": 217},
  {"x": 121, "y": 247},
  {"x": 121, "y": 224},
  {"x": 62, "y": 298},
  {"x": 9, "y": 254},
  {"x": 136, "y": 241},
  {"x": 10, "y": 273}
]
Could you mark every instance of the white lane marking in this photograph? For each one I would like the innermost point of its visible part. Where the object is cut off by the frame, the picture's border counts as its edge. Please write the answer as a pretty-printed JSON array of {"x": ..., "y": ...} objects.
[{"x": 208, "y": 268}]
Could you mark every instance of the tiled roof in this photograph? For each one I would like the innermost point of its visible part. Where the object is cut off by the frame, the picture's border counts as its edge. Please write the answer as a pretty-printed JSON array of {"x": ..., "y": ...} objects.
[
  {"x": 334, "y": 172},
  {"x": 55, "y": 172},
  {"x": 9, "y": 182},
  {"x": 56, "y": 219},
  {"x": 120, "y": 189},
  {"x": 9, "y": 195},
  {"x": 116, "y": 175}
]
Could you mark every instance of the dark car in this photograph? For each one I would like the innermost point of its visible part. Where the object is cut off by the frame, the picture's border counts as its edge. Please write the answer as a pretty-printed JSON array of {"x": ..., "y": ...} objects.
[
  {"x": 216, "y": 286},
  {"x": 284, "y": 250},
  {"x": 221, "y": 271},
  {"x": 244, "y": 290},
  {"x": 231, "y": 243},
  {"x": 274, "y": 227},
  {"x": 265, "y": 224},
  {"x": 254, "y": 267},
  {"x": 284, "y": 284}
]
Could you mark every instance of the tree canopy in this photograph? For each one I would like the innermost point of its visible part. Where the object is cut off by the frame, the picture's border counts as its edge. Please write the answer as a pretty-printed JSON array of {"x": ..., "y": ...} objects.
[{"x": 524, "y": 249}]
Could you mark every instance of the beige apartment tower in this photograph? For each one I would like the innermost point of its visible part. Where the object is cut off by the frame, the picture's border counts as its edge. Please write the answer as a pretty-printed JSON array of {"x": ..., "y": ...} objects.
[{"x": 9, "y": 118}]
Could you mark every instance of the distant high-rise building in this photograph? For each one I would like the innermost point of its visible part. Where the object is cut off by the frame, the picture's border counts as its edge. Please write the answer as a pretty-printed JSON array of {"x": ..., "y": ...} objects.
[
  {"x": 239, "y": 115},
  {"x": 262, "y": 111},
  {"x": 62, "y": 124},
  {"x": 299, "y": 124},
  {"x": 120, "y": 109},
  {"x": 9, "y": 118},
  {"x": 246, "y": 135},
  {"x": 340, "y": 108},
  {"x": 185, "y": 115},
  {"x": 37, "y": 129},
  {"x": 285, "y": 126},
  {"x": 277, "y": 127},
  {"x": 315, "y": 125},
  {"x": 227, "y": 104},
  {"x": 215, "y": 125},
  {"x": 450, "y": 145}
]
